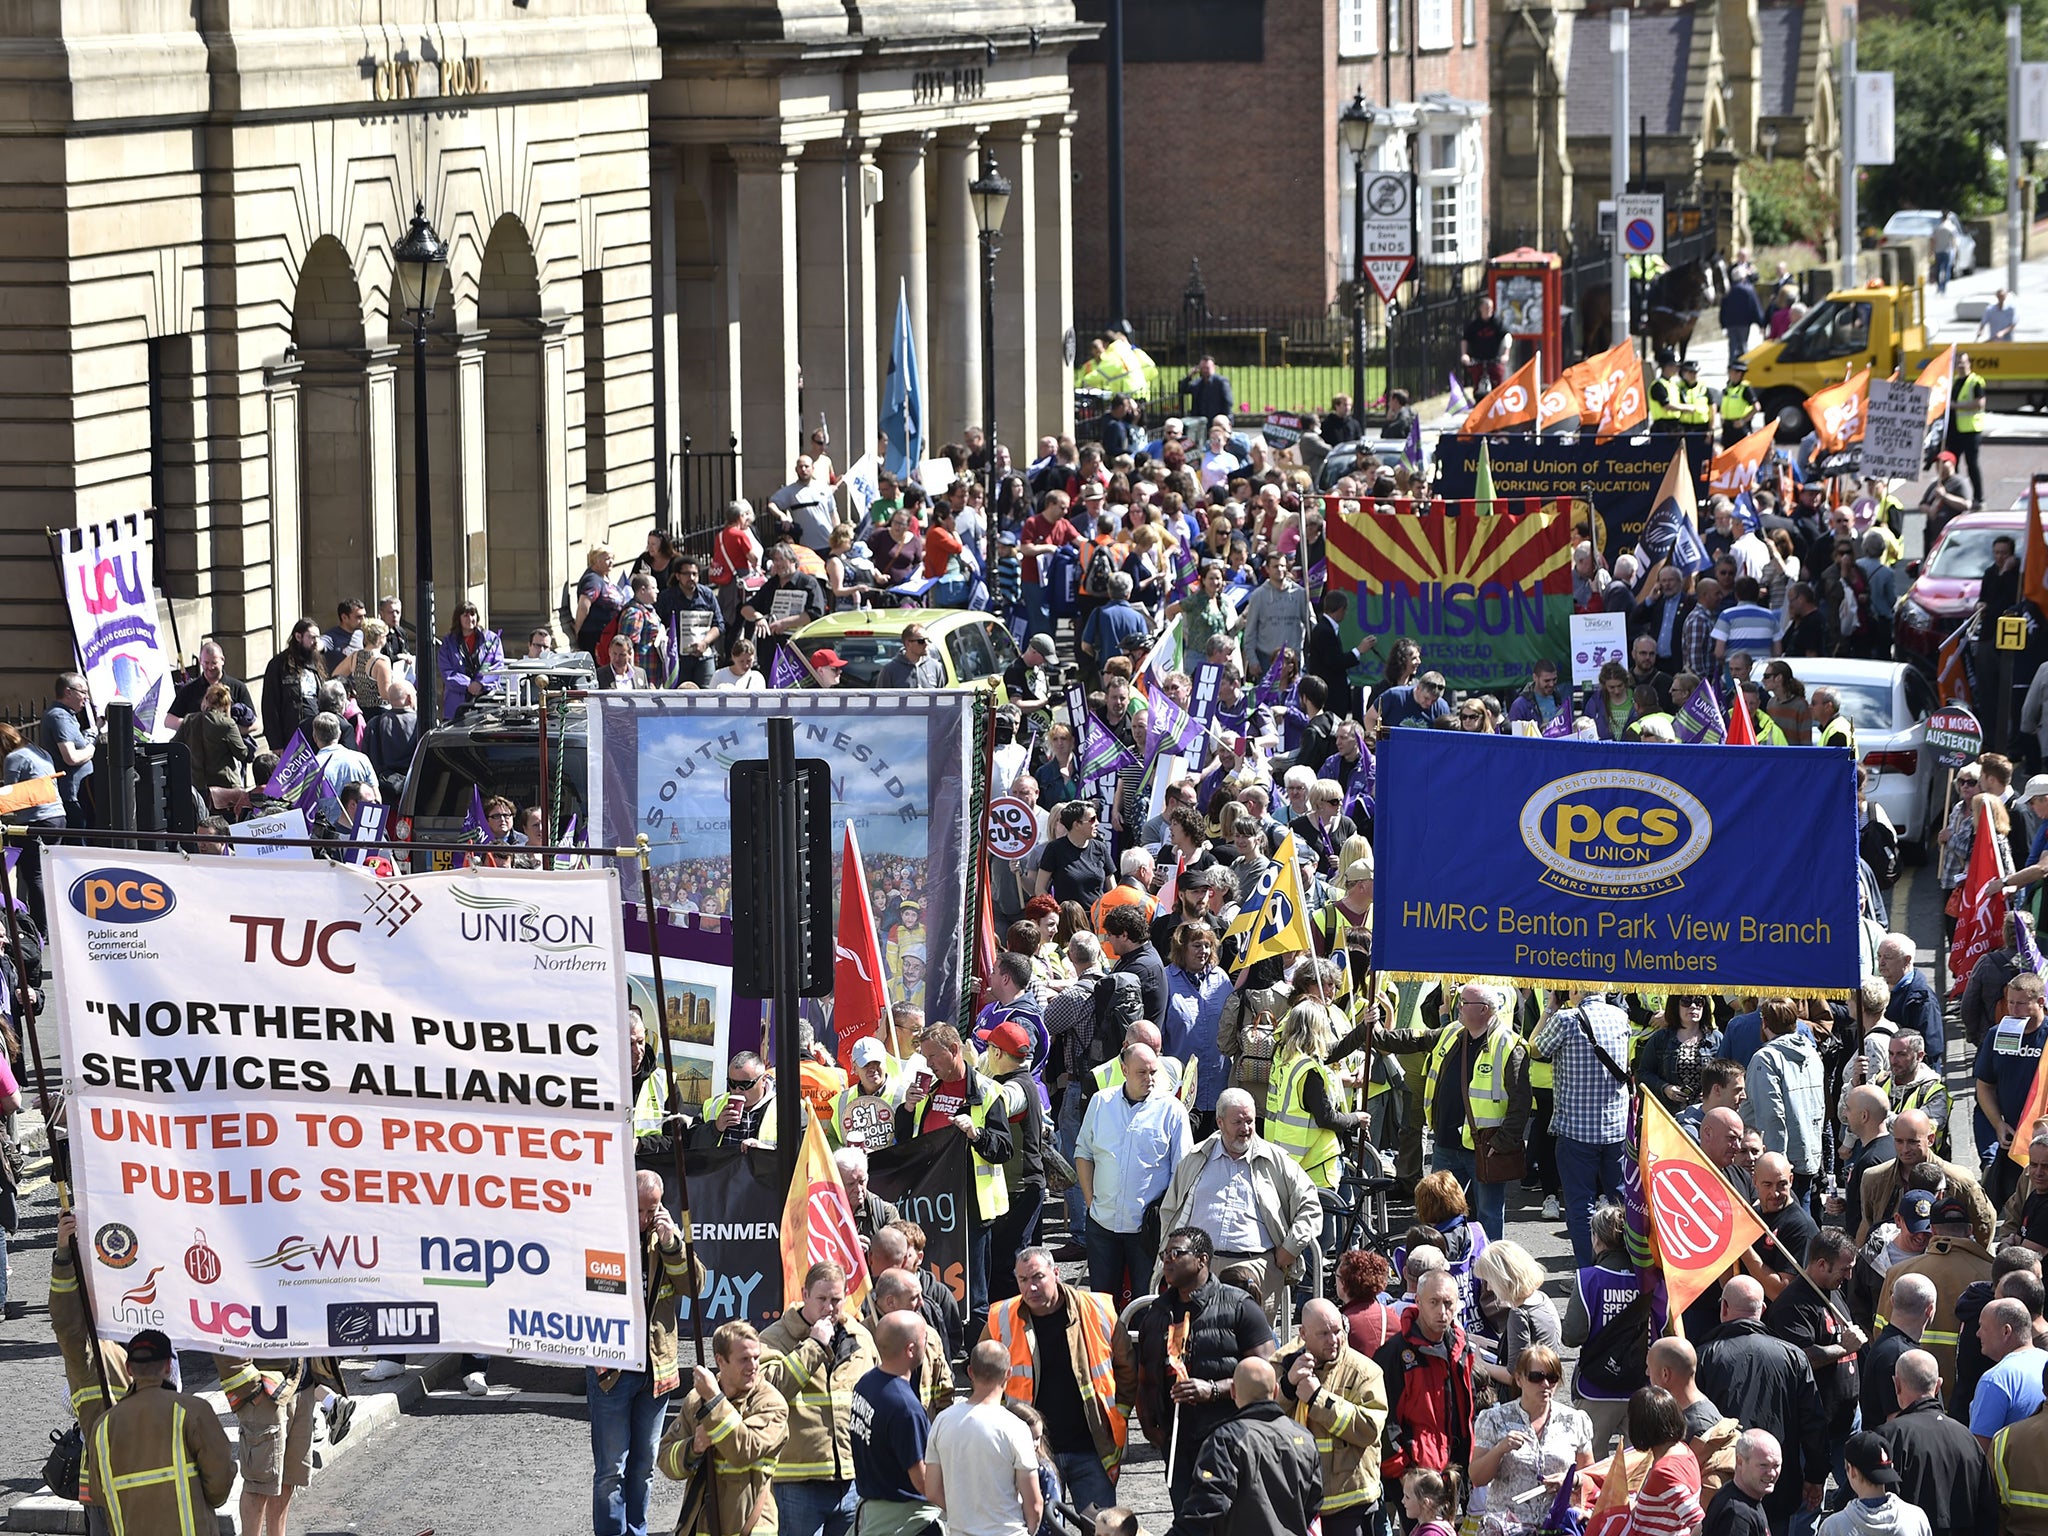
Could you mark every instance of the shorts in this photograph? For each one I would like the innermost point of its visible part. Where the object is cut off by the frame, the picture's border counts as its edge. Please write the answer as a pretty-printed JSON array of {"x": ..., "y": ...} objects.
[{"x": 277, "y": 1443}]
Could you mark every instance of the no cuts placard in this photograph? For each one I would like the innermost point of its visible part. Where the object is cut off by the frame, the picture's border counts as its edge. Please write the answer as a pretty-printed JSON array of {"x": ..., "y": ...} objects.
[{"x": 315, "y": 1112}]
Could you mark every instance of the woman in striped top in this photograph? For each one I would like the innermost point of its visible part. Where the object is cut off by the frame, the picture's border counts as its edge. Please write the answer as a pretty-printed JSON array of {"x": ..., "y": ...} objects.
[{"x": 1668, "y": 1503}]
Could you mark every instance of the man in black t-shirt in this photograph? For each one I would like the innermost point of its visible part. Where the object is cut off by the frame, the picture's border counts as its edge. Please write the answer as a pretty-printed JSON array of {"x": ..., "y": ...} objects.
[
  {"x": 1792, "y": 1229},
  {"x": 1738, "y": 1508},
  {"x": 1484, "y": 338},
  {"x": 1079, "y": 1431},
  {"x": 1802, "y": 1315},
  {"x": 1077, "y": 865},
  {"x": 212, "y": 669}
]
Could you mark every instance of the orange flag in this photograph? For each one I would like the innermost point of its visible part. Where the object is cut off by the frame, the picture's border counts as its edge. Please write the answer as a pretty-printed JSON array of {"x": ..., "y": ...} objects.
[
  {"x": 1512, "y": 405},
  {"x": 1837, "y": 412},
  {"x": 817, "y": 1223},
  {"x": 2034, "y": 559},
  {"x": 1938, "y": 378},
  {"x": 1597, "y": 377},
  {"x": 1700, "y": 1224},
  {"x": 1733, "y": 471},
  {"x": 1628, "y": 402},
  {"x": 2028, "y": 954},
  {"x": 1559, "y": 402}
]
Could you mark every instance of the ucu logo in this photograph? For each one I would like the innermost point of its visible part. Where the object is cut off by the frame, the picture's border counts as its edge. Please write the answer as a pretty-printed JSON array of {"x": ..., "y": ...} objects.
[{"x": 92, "y": 585}]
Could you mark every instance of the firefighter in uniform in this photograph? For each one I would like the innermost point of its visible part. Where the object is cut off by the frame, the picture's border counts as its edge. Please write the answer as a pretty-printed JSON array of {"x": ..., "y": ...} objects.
[
  {"x": 2019, "y": 1466},
  {"x": 1966, "y": 424},
  {"x": 1738, "y": 405},
  {"x": 161, "y": 1463},
  {"x": 77, "y": 1342},
  {"x": 1954, "y": 1260},
  {"x": 1664, "y": 411},
  {"x": 740, "y": 1423}
]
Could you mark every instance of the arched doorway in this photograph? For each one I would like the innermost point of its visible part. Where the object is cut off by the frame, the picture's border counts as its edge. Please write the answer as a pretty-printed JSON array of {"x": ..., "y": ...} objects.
[
  {"x": 330, "y": 541},
  {"x": 515, "y": 464}
]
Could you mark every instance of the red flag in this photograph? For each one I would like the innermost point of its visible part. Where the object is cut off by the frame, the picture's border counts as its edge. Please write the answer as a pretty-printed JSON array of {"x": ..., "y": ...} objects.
[
  {"x": 1980, "y": 902},
  {"x": 860, "y": 996},
  {"x": 2034, "y": 562},
  {"x": 1741, "y": 729}
]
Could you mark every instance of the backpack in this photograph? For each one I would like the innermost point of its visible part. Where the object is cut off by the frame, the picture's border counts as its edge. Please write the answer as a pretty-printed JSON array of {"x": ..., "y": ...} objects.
[
  {"x": 1618, "y": 1357},
  {"x": 1258, "y": 1037},
  {"x": 1119, "y": 1002},
  {"x": 1101, "y": 566}
]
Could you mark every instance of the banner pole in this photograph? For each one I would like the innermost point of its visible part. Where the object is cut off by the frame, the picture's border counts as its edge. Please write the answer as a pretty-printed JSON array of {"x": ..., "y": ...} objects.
[
  {"x": 547, "y": 860},
  {"x": 28, "y": 1015},
  {"x": 668, "y": 1066}
]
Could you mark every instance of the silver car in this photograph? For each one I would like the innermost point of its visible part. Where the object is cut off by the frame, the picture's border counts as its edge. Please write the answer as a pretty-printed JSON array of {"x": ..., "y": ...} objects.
[
  {"x": 1918, "y": 224},
  {"x": 1888, "y": 702}
]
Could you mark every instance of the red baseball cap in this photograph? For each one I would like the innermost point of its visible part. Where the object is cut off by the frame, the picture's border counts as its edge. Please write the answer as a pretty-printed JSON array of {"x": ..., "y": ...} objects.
[
  {"x": 826, "y": 658},
  {"x": 1011, "y": 1038}
]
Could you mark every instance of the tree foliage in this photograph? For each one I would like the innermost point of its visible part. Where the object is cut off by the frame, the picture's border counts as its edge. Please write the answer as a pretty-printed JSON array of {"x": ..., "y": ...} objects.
[
  {"x": 1787, "y": 203},
  {"x": 1947, "y": 60}
]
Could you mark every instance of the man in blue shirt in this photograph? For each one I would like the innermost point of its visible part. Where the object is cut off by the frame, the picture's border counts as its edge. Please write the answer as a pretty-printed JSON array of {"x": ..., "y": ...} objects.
[
  {"x": 1113, "y": 623},
  {"x": 2011, "y": 1390},
  {"x": 69, "y": 743},
  {"x": 1131, "y": 1141},
  {"x": 1914, "y": 1005},
  {"x": 1421, "y": 702},
  {"x": 889, "y": 1432},
  {"x": 2006, "y": 1062}
]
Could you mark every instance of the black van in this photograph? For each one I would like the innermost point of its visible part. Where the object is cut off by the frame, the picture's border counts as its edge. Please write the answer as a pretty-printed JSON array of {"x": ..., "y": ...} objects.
[{"x": 493, "y": 748}]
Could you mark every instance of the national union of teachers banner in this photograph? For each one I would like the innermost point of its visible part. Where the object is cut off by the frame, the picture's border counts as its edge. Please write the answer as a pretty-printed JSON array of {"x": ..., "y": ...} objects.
[
  {"x": 1483, "y": 596},
  {"x": 1617, "y": 864}
]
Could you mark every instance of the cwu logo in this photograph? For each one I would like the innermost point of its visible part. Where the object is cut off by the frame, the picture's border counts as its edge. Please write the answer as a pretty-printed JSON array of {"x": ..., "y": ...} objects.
[
  {"x": 121, "y": 896},
  {"x": 1615, "y": 834}
]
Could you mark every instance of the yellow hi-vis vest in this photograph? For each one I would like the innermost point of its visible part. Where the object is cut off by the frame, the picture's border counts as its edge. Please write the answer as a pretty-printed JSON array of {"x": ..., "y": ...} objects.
[
  {"x": 991, "y": 1189},
  {"x": 1542, "y": 1074},
  {"x": 1489, "y": 1077},
  {"x": 1290, "y": 1125},
  {"x": 1969, "y": 404},
  {"x": 651, "y": 1107},
  {"x": 766, "y": 1135}
]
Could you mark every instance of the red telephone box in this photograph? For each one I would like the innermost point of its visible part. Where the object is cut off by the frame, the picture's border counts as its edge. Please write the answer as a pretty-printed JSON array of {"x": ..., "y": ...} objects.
[{"x": 1524, "y": 285}]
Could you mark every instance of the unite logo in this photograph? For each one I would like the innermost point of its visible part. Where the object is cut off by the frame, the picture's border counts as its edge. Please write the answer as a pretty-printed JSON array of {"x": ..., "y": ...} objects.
[
  {"x": 121, "y": 896},
  {"x": 137, "y": 1308},
  {"x": 232, "y": 1320},
  {"x": 1615, "y": 833}
]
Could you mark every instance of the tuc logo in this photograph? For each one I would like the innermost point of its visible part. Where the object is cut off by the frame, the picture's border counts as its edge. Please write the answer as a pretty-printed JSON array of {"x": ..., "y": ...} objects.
[
  {"x": 1615, "y": 833},
  {"x": 121, "y": 896}
]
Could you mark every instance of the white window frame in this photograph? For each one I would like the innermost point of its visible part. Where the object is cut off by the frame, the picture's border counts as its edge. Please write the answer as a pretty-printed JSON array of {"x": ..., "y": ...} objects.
[
  {"x": 1357, "y": 28},
  {"x": 1394, "y": 26},
  {"x": 1459, "y": 183},
  {"x": 1433, "y": 33},
  {"x": 1471, "y": 22}
]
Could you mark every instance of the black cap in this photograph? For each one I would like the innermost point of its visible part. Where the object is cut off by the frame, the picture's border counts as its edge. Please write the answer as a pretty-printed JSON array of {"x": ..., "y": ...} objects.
[
  {"x": 1869, "y": 1455},
  {"x": 1690, "y": 365},
  {"x": 1951, "y": 1213},
  {"x": 150, "y": 1347},
  {"x": 1666, "y": 357}
]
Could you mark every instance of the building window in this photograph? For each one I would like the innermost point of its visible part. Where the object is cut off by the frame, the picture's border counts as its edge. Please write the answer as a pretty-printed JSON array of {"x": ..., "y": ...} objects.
[
  {"x": 1471, "y": 22},
  {"x": 1357, "y": 32},
  {"x": 1393, "y": 26},
  {"x": 1433, "y": 24},
  {"x": 1450, "y": 175}
]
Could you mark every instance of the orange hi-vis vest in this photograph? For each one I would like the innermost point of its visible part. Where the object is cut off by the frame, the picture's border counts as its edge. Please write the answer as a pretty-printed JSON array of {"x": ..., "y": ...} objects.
[{"x": 1010, "y": 1325}]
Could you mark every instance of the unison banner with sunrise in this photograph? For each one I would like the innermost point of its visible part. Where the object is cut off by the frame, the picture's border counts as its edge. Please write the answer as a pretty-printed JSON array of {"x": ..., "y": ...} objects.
[{"x": 1484, "y": 597}]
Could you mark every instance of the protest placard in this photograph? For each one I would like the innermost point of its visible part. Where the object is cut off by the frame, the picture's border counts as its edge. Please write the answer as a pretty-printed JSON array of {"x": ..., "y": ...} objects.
[
  {"x": 1597, "y": 638},
  {"x": 1895, "y": 429}
]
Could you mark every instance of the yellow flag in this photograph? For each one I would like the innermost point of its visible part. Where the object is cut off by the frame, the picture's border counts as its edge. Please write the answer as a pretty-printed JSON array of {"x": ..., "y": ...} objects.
[
  {"x": 1702, "y": 1226},
  {"x": 817, "y": 1223},
  {"x": 1274, "y": 920}
]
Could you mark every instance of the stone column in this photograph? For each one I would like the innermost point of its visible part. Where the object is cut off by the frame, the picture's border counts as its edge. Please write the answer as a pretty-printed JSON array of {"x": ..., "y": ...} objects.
[
  {"x": 1017, "y": 341},
  {"x": 381, "y": 443},
  {"x": 836, "y": 296},
  {"x": 470, "y": 457},
  {"x": 955, "y": 378},
  {"x": 900, "y": 252},
  {"x": 281, "y": 417},
  {"x": 554, "y": 463},
  {"x": 662, "y": 253},
  {"x": 1053, "y": 192},
  {"x": 763, "y": 259}
]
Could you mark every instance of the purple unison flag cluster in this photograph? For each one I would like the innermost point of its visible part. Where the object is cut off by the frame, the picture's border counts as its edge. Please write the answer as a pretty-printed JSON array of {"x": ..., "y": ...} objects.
[
  {"x": 1173, "y": 728},
  {"x": 296, "y": 779},
  {"x": 785, "y": 669},
  {"x": 1700, "y": 719},
  {"x": 1101, "y": 754}
]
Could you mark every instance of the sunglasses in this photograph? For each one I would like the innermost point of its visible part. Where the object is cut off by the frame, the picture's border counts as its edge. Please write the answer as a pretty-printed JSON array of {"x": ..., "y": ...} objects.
[
  {"x": 1542, "y": 1378},
  {"x": 741, "y": 1083},
  {"x": 1180, "y": 1252}
]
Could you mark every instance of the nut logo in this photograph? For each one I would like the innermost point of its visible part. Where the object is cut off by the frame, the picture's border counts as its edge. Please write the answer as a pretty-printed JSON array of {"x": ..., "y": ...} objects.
[
  {"x": 1615, "y": 833},
  {"x": 122, "y": 896}
]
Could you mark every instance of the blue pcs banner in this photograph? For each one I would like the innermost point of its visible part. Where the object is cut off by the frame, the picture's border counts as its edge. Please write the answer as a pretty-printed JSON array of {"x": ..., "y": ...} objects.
[{"x": 1617, "y": 864}]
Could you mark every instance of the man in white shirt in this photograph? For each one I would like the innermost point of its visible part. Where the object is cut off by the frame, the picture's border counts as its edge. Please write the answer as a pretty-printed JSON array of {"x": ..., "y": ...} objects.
[
  {"x": 980, "y": 1465},
  {"x": 1132, "y": 1139}
]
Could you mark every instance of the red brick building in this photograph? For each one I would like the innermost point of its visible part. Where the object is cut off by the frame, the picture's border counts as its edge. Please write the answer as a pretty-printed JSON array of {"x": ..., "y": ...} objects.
[{"x": 1230, "y": 143}]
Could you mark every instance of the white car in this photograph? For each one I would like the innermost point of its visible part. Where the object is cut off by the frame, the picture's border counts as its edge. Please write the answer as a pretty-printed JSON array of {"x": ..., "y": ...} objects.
[
  {"x": 1918, "y": 224},
  {"x": 1888, "y": 702}
]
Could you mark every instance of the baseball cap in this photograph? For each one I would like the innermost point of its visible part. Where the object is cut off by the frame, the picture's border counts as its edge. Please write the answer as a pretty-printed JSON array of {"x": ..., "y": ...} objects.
[
  {"x": 1357, "y": 870},
  {"x": 2037, "y": 785},
  {"x": 1951, "y": 1213},
  {"x": 1868, "y": 1454},
  {"x": 826, "y": 658},
  {"x": 866, "y": 1052},
  {"x": 1007, "y": 536},
  {"x": 1045, "y": 645},
  {"x": 1944, "y": 457},
  {"x": 1916, "y": 1210},
  {"x": 149, "y": 1347},
  {"x": 1011, "y": 1039}
]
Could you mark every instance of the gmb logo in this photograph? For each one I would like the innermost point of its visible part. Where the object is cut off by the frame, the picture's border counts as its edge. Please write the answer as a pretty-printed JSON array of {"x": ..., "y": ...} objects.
[{"x": 1615, "y": 833}]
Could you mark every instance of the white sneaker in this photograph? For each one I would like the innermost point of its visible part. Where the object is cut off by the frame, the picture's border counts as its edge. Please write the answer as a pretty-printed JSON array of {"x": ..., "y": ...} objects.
[
  {"x": 383, "y": 1370},
  {"x": 1552, "y": 1211},
  {"x": 475, "y": 1385}
]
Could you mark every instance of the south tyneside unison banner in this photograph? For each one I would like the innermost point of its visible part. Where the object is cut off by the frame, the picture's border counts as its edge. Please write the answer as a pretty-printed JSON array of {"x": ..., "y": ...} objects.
[
  {"x": 900, "y": 764},
  {"x": 1616, "y": 864},
  {"x": 1484, "y": 596},
  {"x": 316, "y": 1112}
]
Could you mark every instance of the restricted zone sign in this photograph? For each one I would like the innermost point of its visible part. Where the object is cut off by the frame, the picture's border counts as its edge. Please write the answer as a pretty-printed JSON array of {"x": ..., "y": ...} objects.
[
  {"x": 1388, "y": 251},
  {"x": 1639, "y": 221},
  {"x": 1954, "y": 736}
]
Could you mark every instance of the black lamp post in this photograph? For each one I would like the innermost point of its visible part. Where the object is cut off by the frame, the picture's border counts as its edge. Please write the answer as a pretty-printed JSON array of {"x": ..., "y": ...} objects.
[
  {"x": 990, "y": 194},
  {"x": 1354, "y": 132},
  {"x": 421, "y": 260}
]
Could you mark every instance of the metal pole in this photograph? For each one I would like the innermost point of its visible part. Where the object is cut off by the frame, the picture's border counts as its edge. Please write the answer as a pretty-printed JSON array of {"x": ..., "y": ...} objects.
[
  {"x": 2015, "y": 232},
  {"x": 1617, "y": 175},
  {"x": 783, "y": 840},
  {"x": 1113, "y": 125},
  {"x": 1848, "y": 157},
  {"x": 989, "y": 247},
  {"x": 1358, "y": 291},
  {"x": 423, "y": 534}
]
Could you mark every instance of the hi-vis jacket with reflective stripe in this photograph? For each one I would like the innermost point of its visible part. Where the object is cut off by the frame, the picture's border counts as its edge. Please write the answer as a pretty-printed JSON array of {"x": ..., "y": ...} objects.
[
  {"x": 819, "y": 1394},
  {"x": 75, "y": 1342},
  {"x": 1094, "y": 1345},
  {"x": 161, "y": 1464},
  {"x": 2019, "y": 1466}
]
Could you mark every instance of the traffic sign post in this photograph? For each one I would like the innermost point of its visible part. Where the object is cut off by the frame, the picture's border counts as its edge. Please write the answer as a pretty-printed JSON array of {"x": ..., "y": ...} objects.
[
  {"x": 1639, "y": 223},
  {"x": 1388, "y": 252}
]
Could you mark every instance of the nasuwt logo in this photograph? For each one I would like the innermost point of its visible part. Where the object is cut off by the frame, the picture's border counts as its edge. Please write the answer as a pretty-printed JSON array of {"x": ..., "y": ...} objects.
[
  {"x": 1615, "y": 833},
  {"x": 121, "y": 896}
]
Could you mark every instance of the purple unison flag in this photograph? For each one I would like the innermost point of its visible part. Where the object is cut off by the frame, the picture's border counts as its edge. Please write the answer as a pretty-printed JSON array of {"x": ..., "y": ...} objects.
[
  {"x": 1268, "y": 691},
  {"x": 1077, "y": 707},
  {"x": 1208, "y": 681},
  {"x": 1101, "y": 754},
  {"x": 1172, "y": 727},
  {"x": 297, "y": 776},
  {"x": 784, "y": 669},
  {"x": 1559, "y": 725},
  {"x": 1699, "y": 720},
  {"x": 368, "y": 829},
  {"x": 1412, "y": 449},
  {"x": 2028, "y": 952},
  {"x": 1362, "y": 789}
]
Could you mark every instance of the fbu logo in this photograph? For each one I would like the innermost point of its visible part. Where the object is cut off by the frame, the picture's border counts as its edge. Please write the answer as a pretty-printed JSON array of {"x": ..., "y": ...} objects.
[{"x": 122, "y": 896}]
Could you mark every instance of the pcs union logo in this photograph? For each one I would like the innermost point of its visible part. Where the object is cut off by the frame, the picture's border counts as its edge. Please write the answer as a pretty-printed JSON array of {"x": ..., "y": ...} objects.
[
  {"x": 122, "y": 896},
  {"x": 1615, "y": 834}
]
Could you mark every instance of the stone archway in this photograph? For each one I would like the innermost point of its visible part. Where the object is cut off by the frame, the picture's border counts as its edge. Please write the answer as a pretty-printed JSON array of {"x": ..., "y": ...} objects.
[
  {"x": 330, "y": 540},
  {"x": 516, "y": 457}
]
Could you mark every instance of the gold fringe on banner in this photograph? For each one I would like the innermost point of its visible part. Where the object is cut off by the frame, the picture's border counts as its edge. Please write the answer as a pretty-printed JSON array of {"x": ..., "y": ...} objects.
[{"x": 1609, "y": 984}]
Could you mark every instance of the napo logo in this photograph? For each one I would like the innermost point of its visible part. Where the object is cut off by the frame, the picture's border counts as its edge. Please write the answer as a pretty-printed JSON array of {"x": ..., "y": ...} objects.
[
  {"x": 122, "y": 896},
  {"x": 115, "y": 1245},
  {"x": 1615, "y": 833}
]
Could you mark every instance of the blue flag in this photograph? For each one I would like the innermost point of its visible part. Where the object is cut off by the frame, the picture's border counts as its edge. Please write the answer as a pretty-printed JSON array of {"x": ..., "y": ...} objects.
[{"x": 903, "y": 396}]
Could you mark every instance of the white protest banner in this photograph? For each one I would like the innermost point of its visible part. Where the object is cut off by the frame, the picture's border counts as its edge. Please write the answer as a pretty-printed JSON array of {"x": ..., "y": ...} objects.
[
  {"x": 1597, "y": 638},
  {"x": 1894, "y": 429},
  {"x": 289, "y": 822},
  {"x": 110, "y": 591},
  {"x": 316, "y": 1112}
]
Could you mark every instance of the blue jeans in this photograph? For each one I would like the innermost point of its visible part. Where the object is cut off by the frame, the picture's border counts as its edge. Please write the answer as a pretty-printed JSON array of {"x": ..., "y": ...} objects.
[
  {"x": 1489, "y": 1201},
  {"x": 811, "y": 1508},
  {"x": 1110, "y": 1254},
  {"x": 1587, "y": 1170},
  {"x": 1944, "y": 267},
  {"x": 625, "y": 1431},
  {"x": 1088, "y": 1486}
]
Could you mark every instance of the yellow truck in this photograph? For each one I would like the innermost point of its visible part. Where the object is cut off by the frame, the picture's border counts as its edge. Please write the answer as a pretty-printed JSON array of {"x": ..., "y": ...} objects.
[{"x": 1884, "y": 327}]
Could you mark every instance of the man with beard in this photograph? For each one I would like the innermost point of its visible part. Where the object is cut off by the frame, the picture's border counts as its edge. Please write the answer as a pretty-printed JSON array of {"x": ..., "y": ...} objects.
[{"x": 291, "y": 685}]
